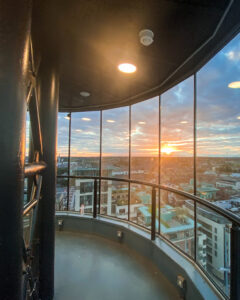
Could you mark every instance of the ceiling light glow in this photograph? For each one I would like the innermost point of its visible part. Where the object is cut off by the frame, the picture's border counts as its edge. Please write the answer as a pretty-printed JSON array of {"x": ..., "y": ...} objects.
[
  {"x": 141, "y": 122},
  {"x": 127, "y": 68},
  {"x": 238, "y": 117},
  {"x": 184, "y": 122},
  {"x": 234, "y": 85},
  {"x": 110, "y": 121},
  {"x": 86, "y": 119}
]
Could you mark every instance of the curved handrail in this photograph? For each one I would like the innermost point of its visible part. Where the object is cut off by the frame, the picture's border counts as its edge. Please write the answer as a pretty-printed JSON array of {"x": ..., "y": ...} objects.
[{"x": 227, "y": 214}]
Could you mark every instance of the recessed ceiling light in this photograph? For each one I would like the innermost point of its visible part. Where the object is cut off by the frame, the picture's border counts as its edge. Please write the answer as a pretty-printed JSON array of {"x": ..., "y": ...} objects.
[
  {"x": 85, "y": 94},
  {"x": 78, "y": 130},
  {"x": 184, "y": 122},
  {"x": 110, "y": 121},
  {"x": 238, "y": 117},
  {"x": 142, "y": 123},
  {"x": 86, "y": 119},
  {"x": 234, "y": 85},
  {"x": 127, "y": 68}
]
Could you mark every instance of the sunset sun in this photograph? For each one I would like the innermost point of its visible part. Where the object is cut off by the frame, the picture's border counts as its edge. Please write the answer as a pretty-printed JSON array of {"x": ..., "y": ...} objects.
[{"x": 167, "y": 150}]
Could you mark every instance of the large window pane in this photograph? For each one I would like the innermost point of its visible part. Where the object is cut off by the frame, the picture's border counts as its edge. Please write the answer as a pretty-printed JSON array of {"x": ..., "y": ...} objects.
[
  {"x": 81, "y": 195},
  {"x": 85, "y": 157},
  {"x": 218, "y": 128},
  {"x": 115, "y": 142},
  {"x": 141, "y": 205},
  {"x": 214, "y": 254},
  {"x": 177, "y": 136},
  {"x": 114, "y": 199},
  {"x": 61, "y": 194},
  {"x": 62, "y": 147},
  {"x": 177, "y": 224},
  {"x": 85, "y": 143},
  {"x": 144, "y": 140}
]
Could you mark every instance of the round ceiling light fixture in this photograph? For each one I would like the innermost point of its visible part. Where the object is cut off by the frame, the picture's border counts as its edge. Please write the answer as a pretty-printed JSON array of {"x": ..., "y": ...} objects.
[
  {"x": 127, "y": 68},
  {"x": 84, "y": 94},
  {"x": 234, "y": 85},
  {"x": 146, "y": 37}
]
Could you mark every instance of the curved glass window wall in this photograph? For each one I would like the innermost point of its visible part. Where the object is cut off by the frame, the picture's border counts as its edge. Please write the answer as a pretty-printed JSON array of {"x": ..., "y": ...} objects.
[{"x": 187, "y": 138}]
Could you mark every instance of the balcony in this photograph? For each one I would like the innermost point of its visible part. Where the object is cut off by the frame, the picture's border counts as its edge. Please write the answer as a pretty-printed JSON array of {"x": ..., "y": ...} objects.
[
  {"x": 92, "y": 267},
  {"x": 125, "y": 266}
]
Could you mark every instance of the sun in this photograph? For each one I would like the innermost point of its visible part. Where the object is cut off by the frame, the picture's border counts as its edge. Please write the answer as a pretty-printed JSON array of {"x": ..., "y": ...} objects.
[{"x": 167, "y": 150}]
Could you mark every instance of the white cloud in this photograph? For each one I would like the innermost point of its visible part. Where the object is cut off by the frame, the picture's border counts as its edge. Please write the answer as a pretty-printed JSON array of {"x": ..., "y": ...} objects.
[{"x": 233, "y": 55}]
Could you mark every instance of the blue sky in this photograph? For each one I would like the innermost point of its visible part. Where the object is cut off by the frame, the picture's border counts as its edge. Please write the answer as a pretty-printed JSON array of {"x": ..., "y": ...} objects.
[{"x": 218, "y": 126}]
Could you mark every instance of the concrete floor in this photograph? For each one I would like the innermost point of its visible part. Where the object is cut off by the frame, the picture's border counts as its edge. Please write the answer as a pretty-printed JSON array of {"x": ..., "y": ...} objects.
[{"x": 89, "y": 267}]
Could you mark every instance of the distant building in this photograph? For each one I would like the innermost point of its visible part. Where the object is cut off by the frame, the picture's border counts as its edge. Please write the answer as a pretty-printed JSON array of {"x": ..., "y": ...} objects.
[
  {"x": 232, "y": 205},
  {"x": 206, "y": 191},
  {"x": 232, "y": 182},
  {"x": 178, "y": 228},
  {"x": 217, "y": 230}
]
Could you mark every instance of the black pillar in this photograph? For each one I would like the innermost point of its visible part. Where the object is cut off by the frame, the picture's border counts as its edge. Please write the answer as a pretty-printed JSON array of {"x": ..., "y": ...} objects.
[
  {"x": 235, "y": 263},
  {"x": 48, "y": 90},
  {"x": 15, "y": 19}
]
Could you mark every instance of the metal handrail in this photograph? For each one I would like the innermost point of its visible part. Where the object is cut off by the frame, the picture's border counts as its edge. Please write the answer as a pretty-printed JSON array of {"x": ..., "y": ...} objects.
[
  {"x": 34, "y": 168},
  {"x": 36, "y": 196},
  {"x": 29, "y": 206},
  {"x": 233, "y": 218}
]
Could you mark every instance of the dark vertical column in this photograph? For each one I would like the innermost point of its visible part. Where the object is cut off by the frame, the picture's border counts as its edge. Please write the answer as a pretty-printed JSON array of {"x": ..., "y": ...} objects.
[
  {"x": 235, "y": 263},
  {"x": 48, "y": 92},
  {"x": 14, "y": 45}
]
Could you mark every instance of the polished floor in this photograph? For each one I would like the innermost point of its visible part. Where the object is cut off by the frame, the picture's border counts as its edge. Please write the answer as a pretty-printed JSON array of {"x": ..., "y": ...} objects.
[{"x": 89, "y": 267}]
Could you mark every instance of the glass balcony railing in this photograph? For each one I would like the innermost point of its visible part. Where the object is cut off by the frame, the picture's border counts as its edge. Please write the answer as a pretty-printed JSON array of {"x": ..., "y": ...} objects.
[{"x": 187, "y": 222}]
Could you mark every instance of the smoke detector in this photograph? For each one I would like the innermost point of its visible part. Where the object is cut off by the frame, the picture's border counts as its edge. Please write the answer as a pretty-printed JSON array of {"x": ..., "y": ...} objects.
[{"x": 146, "y": 37}]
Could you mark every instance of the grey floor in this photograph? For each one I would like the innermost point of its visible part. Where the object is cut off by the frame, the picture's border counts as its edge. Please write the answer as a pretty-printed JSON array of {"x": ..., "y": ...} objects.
[{"x": 89, "y": 267}]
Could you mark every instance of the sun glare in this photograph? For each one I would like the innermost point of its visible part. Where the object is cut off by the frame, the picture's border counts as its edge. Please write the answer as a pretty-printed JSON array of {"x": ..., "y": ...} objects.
[{"x": 167, "y": 150}]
